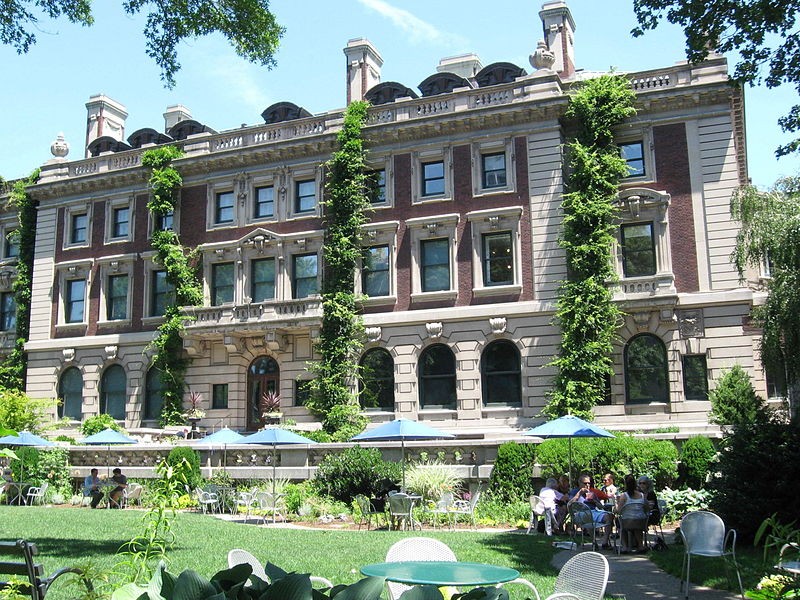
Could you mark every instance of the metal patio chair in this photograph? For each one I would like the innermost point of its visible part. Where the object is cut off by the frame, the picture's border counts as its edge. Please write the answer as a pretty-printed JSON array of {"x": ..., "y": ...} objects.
[
  {"x": 704, "y": 534},
  {"x": 237, "y": 556}
]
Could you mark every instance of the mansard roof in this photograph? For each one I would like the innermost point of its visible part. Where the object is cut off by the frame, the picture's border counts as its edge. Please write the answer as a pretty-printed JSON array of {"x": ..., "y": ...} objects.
[
  {"x": 389, "y": 91},
  {"x": 147, "y": 135},
  {"x": 106, "y": 143},
  {"x": 499, "y": 72},
  {"x": 442, "y": 83},
  {"x": 284, "y": 111},
  {"x": 183, "y": 129}
]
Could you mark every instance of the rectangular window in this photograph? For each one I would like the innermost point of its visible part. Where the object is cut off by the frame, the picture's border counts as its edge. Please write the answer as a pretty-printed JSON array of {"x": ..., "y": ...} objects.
[
  {"x": 121, "y": 222},
  {"x": 375, "y": 271},
  {"x": 498, "y": 259},
  {"x": 162, "y": 294},
  {"x": 633, "y": 153},
  {"x": 493, "y": 170},
  {"x": 262, "y": 279},
  {"x": 305, "y": 196},
  {"x": 776, "y": 384},
  {"x": 378, "y": 191},
  {"x": 222, "y": 282},
  {"x": 302, "y": 392},
  {"x": 304, "y": 275},
  {"x": 8, "y": 312},
  {"x": 265, "y": 203},
  {"x": 695, "y": 377},
  {"x": 638, "y": 250},
  {"x": 75, "y": 300},
  {"x": 117, "y": 298},
  {"x": 219, "y": 395},
  {"x": 78, "y": 228},
  {"x": 12, "y": 245},
  {"x": 223, "y": 208},
  {"x": 435, "y": 260},
  {"x": 165, "y": 222},
  {"x": 433, "y": 178}
]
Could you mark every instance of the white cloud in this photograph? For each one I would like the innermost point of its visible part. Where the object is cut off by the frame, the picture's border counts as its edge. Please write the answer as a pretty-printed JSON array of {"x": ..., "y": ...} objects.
[{"x": 418, "y": 31}]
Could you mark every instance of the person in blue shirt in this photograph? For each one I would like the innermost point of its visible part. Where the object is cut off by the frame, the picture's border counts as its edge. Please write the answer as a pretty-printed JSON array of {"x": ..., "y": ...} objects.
[{"x": 92, "y": 487}]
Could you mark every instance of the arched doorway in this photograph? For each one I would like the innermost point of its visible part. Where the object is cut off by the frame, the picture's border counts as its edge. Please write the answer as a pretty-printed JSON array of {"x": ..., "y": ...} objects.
[{"x": 263, "y": 377}]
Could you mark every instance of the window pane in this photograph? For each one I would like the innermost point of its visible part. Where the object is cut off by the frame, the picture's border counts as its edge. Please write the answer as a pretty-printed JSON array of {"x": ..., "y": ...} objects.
[
  {"x": 12, "y": 245},
  {"x": 224, "y": 208},
  {"x": 378, "y": 193},
  {"x": 154, "y": 394},
  {"x": 117, "y": 297},
  {"x": 494, "y": 170},
  {"x": 163, "y": 294},
  {"x": 302, "y": 392},
  {"x": 222, "y": 284},
  {"x": 263, "y": 280},
  {"x": 8, "y": 312},
  {"x": 75, "y": 300},
  {"x": 70, "y": 392},
  {"x": 376, "y": 388},
  {"x": 646, "y": 370},
  {"x": 165, "y": 222},
  {"x": 638, "y": 250},
  {"x": 121, "y": 222},
  {"x": 435, "y": 265},
  {"x": 633, "y": 153},
  {"x": 78, "y": 229},
  {"x": 219, "y": 395},
  {"x": 776, "y": 383},
  {"x": 498, "y": 265},
  {"x": 437, "y": 377},
  {"x": 112, "y": 392},
  {"x": 695, "y": 377},
  {"x": 304, "y": 283},
  {"x": 305, "y": 196},
  {"x": 375, "y": 273},
  {"x": 265, "y": 203},
  {"x": 500, "y": 366},
  {"x": 433, "y": 178}
]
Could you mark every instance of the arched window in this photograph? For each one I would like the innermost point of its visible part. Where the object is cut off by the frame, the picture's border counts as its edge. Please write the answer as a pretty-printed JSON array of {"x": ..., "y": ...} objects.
[
  {"x": 646, "y": 370},
  {"x": 113, "y": 391},
  {"x": 500, "y": 374},
  {"x": 437, "y": 377},
  {"x": 153, "y": 394},
  {"x": 376, "y": 388},
  {"x": 70, "y": 391}
]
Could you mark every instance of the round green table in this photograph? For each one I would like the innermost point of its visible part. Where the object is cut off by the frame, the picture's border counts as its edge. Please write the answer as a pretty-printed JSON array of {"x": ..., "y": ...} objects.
[{"x": 440, "y": 573}]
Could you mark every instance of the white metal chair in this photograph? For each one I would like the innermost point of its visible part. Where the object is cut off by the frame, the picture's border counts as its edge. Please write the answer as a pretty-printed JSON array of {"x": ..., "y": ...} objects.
[
  {"x": 630, "y": 519},
  {"x": 367, "y": 512},
  {"x": 583, "y": 577},
  {"x": 273, "y": 505},
  {"x": 704, "y": 534},
  {"x": 537, "y": 510},
  {"x": 467, "y": 508},
  {"x": 134, "y": 494},
  {"x": 401, "y": 510},
  {"x": 416, "y": 548},
  {"x": 208, "y": 501},
  {"x": 789, "y": 566},
  {"x": 444, "y": 506},
  {"x": 583, "y": 520},
  {"x": 36, "y": 495},
  {"x": 237, "y": 556},
  {"x": 655, "y": 526},
  {"x": 244, "y": 501}
]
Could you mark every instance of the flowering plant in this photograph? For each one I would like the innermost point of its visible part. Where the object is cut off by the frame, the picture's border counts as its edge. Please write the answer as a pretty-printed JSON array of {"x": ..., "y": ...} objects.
[
  {"x": 194, "y": 412},
  {"x": 270, "y": 403}
]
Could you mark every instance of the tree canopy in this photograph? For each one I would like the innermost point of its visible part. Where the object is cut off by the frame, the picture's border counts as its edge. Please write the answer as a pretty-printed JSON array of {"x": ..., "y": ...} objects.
[
  {"x": 248, "y": 25},
  {"x": 762, "y": 32}
]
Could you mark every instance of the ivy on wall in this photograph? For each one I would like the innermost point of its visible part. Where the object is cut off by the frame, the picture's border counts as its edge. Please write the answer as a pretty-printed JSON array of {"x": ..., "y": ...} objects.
[
  {"x": 586, "y": 313},
  {"x": 13, "y": 369},
  {"x": 346, "y": 205},
  {"x": 182, "y": 272}
]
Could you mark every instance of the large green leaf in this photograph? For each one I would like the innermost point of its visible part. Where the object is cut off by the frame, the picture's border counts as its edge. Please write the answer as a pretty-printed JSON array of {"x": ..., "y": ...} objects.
[
  {"x": 369, "y": 588},
  {"x": 130, "y": 591},
  {"x": 422, "y": 592},
  {"x": 9, "y": 453},
  {"x": 484, "y": 593},
  {"x": 274, "y": 572},
  {"x": 236, "y": 575},
  {"x": 191, "y": 586},
  {"x": 291, "y": 587}
]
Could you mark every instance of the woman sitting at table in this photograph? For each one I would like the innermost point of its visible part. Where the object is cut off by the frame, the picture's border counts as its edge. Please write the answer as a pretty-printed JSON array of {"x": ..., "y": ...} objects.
[
  {"x": 633, "y": 520},
  {"x": 646, "y": 487}
]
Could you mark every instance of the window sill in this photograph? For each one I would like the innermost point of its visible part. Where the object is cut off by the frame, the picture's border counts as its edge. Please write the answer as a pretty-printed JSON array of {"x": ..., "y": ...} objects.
[
  {"x": 71, "y": 326},
  {"x": 430, "y": 296},
  {"x": 114, "y": 323},
  {"x": 378, "y": 300},
  {"x": 117, "y": 240},
  {"x": 447, "y": 413},
  {"x": 481, "y": 192},
  {"x": 152, "y": 320},
  {"x": 497, "y": 290},
  {"x": 432, "y": 199}
]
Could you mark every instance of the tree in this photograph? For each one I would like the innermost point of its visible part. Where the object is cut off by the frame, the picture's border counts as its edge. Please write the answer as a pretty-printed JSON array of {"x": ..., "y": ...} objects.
[
  {"x": 735, "y": 402},
  {"x": 763, "y": 32},
  {"x": 248, "y": 25},
  {"x": 770, "y": 235}
]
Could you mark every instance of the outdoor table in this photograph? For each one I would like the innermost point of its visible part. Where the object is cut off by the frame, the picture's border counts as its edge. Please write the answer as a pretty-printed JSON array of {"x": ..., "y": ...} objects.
[
  {"x": 226, "y": 497},
  {"x": 21, "y": 487},
  {"x": 440, "y": 573}
]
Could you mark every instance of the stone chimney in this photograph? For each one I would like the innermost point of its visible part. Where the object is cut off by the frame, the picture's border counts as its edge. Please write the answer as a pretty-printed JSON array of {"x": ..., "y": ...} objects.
[
  {"x": 363, "y": 68},
  {"x": 104, "y": 117},
  {"x": 174, "y": 115},
  {"x": 465, "y": 65},
  {"x": 559, "y": 31}
]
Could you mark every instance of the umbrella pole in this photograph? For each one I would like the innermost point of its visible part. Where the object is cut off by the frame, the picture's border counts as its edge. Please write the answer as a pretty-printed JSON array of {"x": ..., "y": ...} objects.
[
  {"x": 403, "y": 461},
  {"x": 570, "y": 462},
  {"x": 274, "y": 503}
]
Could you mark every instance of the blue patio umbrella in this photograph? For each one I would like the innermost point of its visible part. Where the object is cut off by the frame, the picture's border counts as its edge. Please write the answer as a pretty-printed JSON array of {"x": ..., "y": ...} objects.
[
  {"x": 223, "y": 437},
  {"x": 275, "y": 436},
  {"x": 23, "y": 438},
  {"x": 108, "y": 437},
  {"x": 568, "y": 426},
  {"x": 402, "y": 430}
]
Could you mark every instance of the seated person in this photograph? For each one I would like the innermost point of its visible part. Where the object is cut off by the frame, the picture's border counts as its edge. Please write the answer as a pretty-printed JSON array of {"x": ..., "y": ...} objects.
[
  {"x": 116, "y": 493},
  {"x": 8, "y": 489},
  {"x": 548, "y": 495},
  {"x": 592, "y": 497},
  {"x": 633, "y": 521},
  {"x": 608, "y": 486},
  {"x": 91, "y": 487},
  {"x": 646, "y": 487}
]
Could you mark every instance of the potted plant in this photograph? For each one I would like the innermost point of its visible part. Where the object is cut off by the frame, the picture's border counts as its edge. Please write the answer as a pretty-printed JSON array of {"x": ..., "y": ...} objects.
[
  {"x": 271, "y": 407},
  {"x": 194, "y": 413}
]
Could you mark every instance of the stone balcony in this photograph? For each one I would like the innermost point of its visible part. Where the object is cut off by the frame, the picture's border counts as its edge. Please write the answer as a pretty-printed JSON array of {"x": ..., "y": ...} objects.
[{"x": 263, "y": 315}]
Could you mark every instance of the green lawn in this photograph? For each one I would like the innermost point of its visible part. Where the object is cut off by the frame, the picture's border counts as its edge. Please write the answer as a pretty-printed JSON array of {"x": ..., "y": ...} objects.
[{"x": 70, "y": 536}]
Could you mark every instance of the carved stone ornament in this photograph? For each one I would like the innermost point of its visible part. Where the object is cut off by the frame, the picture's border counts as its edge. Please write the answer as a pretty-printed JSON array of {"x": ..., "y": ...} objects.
[
  {"x": 542, "y": 58},
  {"x": 642, "y": 320},
  {"x": 690, "y": 323},
  {"x": 111, "y": 352},
  {"x": 498, "y": 325},
  {"x": 434, "y": 330},
  {"x": 59, "y": 148},
  {"x": 373, "y": 333},
  {"x": 68, "y": 354}
]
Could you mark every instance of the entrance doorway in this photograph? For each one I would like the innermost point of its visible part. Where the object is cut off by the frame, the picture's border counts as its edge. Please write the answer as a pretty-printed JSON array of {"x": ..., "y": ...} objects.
[{"x": 263, "y": 377}]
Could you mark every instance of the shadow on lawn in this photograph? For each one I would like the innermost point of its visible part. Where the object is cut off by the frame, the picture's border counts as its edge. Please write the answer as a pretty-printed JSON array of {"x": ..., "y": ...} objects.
[
  {"x": 61, "y": 549},
  {"x": 533, "y": 551}
]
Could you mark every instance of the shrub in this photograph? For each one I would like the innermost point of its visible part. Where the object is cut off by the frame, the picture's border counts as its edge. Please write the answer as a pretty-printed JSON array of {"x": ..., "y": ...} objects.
[
  {"x": 319, "y": 435},
  {"x": 64, "y": 438},
  {"x": 513, "y": 469},
  {"x": 431, "y": 480},
  {"x": 768, "y": 453},
  {"x": 679, "y": 502},
  {"x": 97, "y": 423},
  {"x": 38, "y": 466},
  {"x": 297, "y": 494},
  {"x": 491, "y": 512},
  {"x": 22, "y": 413},
  {"x": 343, "y": 421},
  {"x": 354, "y": 471},
  {"x": 734, "y": 401},
  {"x": 182, "y": 453},
  {"x": 696, "y": 455}
]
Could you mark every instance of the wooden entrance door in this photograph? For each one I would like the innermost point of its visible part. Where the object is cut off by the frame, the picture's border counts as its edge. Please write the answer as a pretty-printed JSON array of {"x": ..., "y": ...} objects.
[{"x": 263, "y": 376}]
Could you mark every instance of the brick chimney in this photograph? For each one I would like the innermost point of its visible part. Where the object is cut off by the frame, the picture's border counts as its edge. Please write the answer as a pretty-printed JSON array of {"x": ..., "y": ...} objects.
[
  {"x": 465, "y": 65},
  {"x": 559, "y": 31},
  {"x": 174, "y": 115},
  {"x": 104, "y": 117},
  {"x": 363, "y": 68}
]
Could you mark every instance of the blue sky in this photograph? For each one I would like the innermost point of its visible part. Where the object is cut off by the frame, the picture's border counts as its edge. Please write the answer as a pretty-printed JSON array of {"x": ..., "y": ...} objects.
[{"x": 44, "y": 92}]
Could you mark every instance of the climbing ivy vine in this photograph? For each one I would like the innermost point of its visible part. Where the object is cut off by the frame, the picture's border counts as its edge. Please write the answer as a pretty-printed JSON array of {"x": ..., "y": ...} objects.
[
  {"x": 14, "y": 367},
  {"x": 586, "y": 313},
  {"x": 181, "y": 267},
  {"x": 346, "y": 205}
]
